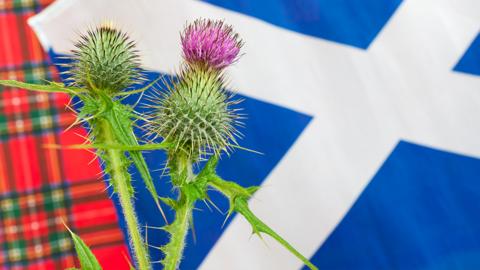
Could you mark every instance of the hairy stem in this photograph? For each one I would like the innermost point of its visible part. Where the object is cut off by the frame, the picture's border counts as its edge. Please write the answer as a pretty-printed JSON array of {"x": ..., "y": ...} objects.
[
  {"x": 183, "y": 177},
  {"x": 238, "y": 197},
  {"x": 178, "y": 231},
  {"x": 120, "y": 176}
]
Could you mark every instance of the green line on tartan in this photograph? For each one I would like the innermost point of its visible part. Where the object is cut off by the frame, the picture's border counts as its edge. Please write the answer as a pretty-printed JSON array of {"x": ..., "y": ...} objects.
[
  {"x": 53, "y": 198},
  {"x": 59, "y": 242},
  {"x": 16, "y": 251},
  {"x": 10, "y": 208}
]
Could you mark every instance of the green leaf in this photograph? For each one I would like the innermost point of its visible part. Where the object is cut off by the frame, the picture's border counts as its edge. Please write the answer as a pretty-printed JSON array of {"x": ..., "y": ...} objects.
[
  {"x": 85, "y": 255},
  {"x": 121, "y": 122},
  {"x": 238, "y": 197},
  {"x": 51, "y": 87},
  {"x": 105, "y": 146}
]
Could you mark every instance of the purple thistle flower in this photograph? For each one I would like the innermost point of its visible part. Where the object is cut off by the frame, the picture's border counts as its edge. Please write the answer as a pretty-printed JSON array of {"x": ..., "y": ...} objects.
[{"x": 210, "y": 42}]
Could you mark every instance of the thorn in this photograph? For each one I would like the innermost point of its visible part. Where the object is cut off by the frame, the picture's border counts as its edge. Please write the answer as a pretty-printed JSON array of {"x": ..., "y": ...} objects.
[
  {"x": 226, "y": 218},
  {"x": 192, "y": 228},
  {"x": 128, "y": 260},
  {"x": 105, "y": 189},
  {"x": 155, "y": 247},
  {"x": 216, "y": 207},
  {"x": 156, "y": 228},
  {"x": 87, "y": 140},
  {"x": 52, "y": 146},
  {"x": 76, "y": 122},
  {"x": 261, "y": 237},
  {"x": 93, "y": 159},
  {"x": 157, "y": 202},
  {"x": 206, "y": 204}
]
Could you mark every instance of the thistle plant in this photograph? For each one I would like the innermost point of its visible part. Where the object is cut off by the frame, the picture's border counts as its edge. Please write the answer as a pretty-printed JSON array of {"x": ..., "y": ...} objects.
[
  {"x": 194, "y": 119},
  {"x": 197, "y": 119}
]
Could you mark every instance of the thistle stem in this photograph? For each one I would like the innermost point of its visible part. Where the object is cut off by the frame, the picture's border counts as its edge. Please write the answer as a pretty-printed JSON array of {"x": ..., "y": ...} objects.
[
  {"x": 120, "y": 175},
  {"x": 183, "y": 177},
  {"x": 178, "y": 231}
]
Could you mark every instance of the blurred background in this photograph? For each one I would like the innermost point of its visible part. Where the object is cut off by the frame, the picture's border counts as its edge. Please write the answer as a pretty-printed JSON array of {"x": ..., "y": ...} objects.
[{"x": 367, "y": 113}]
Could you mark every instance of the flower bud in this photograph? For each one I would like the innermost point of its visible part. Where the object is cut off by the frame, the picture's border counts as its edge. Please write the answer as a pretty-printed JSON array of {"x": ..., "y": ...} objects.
[
  {"x": 196, "y": 114},
  {"x": 105, "y": 59},
  {"x": 211, "y": 43}
]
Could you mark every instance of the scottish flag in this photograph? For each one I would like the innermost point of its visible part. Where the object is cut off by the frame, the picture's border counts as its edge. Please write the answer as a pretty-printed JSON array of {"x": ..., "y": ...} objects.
[{"x": 368, "y": 115}]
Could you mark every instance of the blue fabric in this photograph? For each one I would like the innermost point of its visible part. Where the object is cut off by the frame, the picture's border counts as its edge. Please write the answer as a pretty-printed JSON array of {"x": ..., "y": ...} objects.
[
  {"x": 420, "y": 211},
  {"x": 350, "y": 22},
  {"x": 470, "y": 61}
]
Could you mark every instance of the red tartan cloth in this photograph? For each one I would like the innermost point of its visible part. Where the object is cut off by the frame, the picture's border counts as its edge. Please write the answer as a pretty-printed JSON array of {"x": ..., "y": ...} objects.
[{"x": 40, "y": 188}]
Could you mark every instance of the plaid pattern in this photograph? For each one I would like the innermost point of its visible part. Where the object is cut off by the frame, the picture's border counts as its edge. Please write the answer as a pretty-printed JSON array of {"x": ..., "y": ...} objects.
[{"x": 42, "y": 188}]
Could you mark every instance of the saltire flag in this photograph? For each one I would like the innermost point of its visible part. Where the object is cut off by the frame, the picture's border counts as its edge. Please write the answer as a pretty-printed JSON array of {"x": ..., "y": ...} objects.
[{"x": 367, "y": 112}]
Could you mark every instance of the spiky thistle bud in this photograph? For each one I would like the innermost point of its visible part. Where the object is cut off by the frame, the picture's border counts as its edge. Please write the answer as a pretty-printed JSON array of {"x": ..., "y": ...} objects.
[
  {"x": 211, "y": 43},
  {"x": 196, "y": 114},
  {"x": 106, "y": 59}
]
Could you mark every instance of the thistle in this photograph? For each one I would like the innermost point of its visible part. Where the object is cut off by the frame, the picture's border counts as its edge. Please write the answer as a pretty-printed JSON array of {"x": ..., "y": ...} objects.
[
  {"x": 210, "y": 43},
  {"x": 196, "y": 114},
  {"x": 196, "y": 118},
  {"x": 106, "y": 59}
]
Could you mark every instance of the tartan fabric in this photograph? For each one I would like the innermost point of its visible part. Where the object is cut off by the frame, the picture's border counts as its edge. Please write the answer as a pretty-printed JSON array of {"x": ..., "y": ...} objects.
[{"x": 42, "y": 188}]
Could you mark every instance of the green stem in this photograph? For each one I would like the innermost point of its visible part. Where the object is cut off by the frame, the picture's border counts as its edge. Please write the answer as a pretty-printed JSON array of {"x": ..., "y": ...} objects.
[
  {"x": 120, "y": 175},
  {"x": 178, "y": 231},
  {"x": 238, "y": 197},
  {"x": 182, "y": 177}
]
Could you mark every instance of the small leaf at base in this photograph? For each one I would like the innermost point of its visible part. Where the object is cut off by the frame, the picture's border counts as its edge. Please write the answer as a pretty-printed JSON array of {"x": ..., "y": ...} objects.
[{"x": 85, "y": 255}]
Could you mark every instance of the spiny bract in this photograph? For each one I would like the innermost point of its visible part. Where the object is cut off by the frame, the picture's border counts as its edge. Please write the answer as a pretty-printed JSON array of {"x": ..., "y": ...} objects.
[
  {"x": 196, "y": 114},
  {"x": 105, "y": 59}
]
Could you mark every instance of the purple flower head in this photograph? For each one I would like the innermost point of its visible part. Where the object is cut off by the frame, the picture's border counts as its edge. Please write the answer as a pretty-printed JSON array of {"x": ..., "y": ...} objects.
[{"x": 210, "y": 42}]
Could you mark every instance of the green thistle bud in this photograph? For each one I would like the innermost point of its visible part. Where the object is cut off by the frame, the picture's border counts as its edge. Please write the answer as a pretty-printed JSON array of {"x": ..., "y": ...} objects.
[
  {"x": 196, "y": 114},
  {"x": 105, "y": 59}
]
